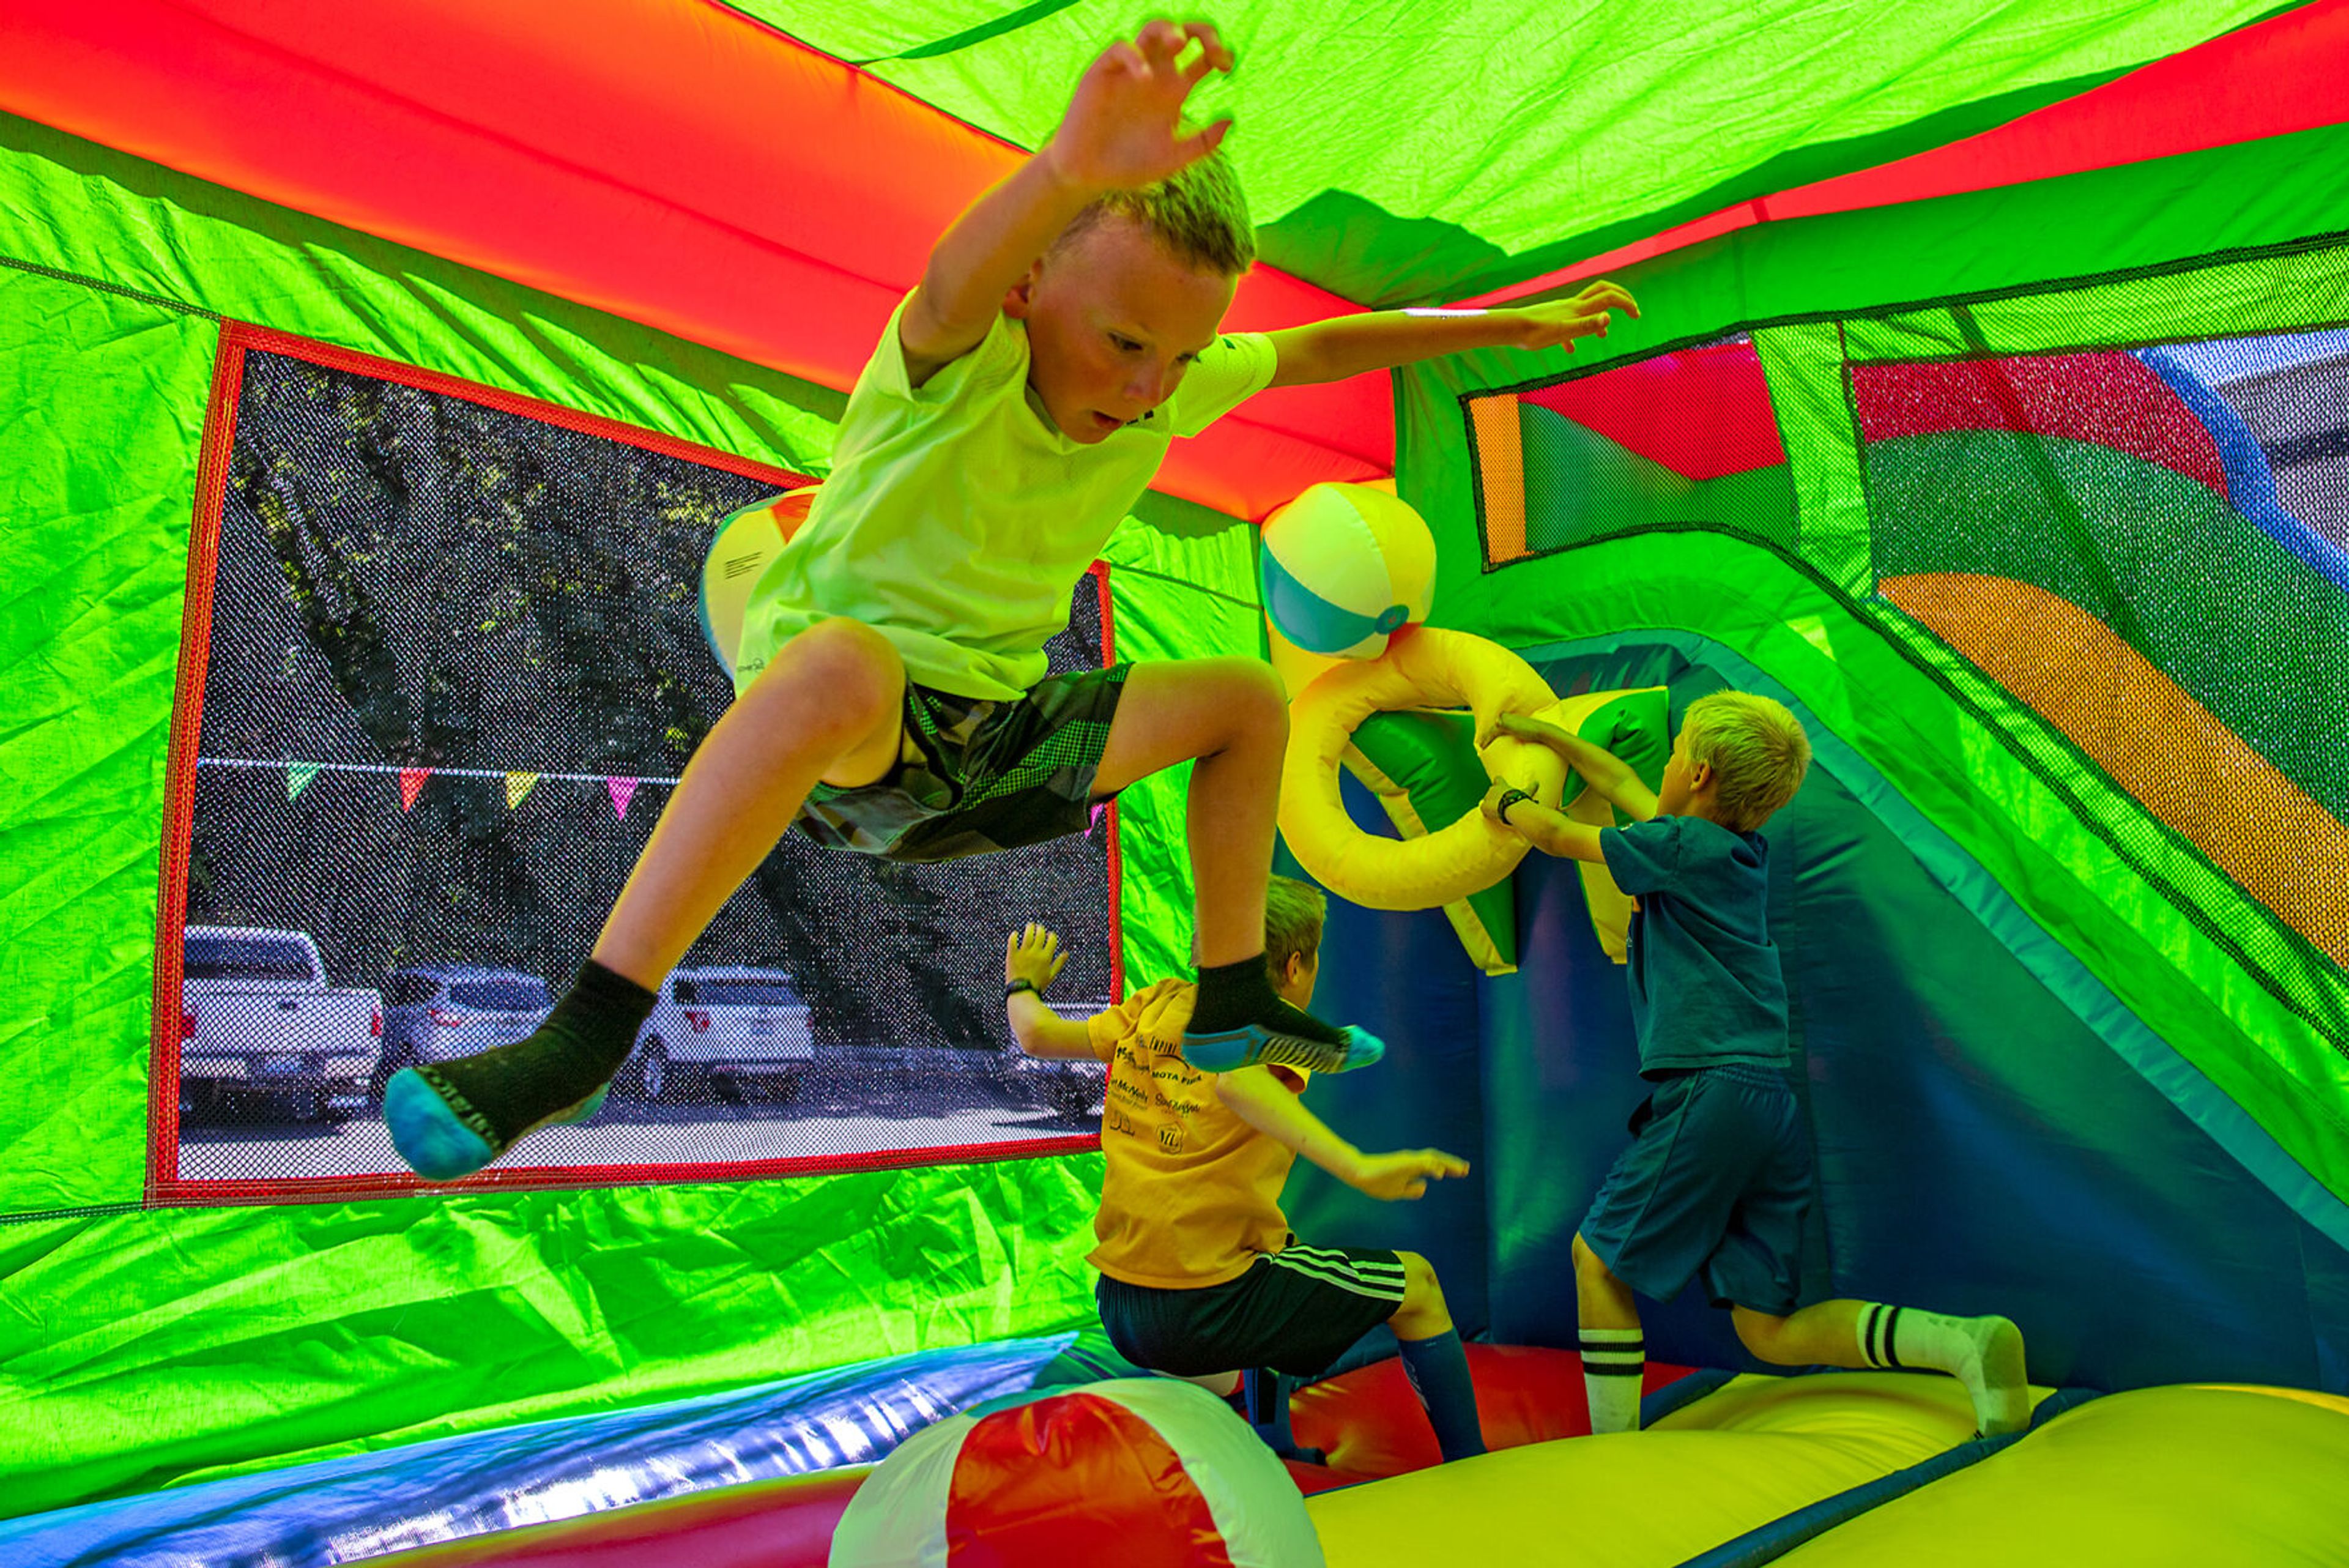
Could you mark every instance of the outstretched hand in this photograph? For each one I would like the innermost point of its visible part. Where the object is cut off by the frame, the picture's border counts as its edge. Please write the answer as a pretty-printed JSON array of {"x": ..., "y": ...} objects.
[
  {"x": 1123, "y": 127},
  {"x": 1405, "y": 1173},
  {"x": 1033, "y": 955},
  {"x": 1557, "y": 323}
]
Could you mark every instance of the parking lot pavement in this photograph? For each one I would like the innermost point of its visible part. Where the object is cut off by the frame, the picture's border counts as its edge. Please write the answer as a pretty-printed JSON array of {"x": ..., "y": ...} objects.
[{"x": 815, "y": 1126}]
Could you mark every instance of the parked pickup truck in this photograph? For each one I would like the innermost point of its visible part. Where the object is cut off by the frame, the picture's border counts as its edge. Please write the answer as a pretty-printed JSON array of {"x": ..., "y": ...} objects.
[{"x": 261, "y": 1030}]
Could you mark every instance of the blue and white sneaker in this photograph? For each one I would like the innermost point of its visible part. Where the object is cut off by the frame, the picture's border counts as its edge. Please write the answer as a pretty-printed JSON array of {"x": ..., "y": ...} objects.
[{"x": 1229, "y": 1050}]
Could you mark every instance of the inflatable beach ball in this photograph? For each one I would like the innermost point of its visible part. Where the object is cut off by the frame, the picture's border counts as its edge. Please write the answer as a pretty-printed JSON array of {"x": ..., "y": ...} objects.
[
  {"x": 1346, "y": 566},
  {"x": 746, "y": 542},
  {"x": 1141, "y": 1472}
]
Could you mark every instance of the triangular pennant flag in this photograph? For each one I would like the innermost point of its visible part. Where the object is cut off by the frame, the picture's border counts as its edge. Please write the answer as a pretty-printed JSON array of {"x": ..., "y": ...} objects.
[
  {"x": 298, "y": 776},
  {"x": 620, "y": 790},
  {"x": 517, "y": 786},
  {"x": 411, "y": 780}
]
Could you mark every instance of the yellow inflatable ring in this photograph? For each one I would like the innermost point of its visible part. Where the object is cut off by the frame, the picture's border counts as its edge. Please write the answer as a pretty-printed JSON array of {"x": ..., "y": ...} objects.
[{"x": 1428, "y": 667}]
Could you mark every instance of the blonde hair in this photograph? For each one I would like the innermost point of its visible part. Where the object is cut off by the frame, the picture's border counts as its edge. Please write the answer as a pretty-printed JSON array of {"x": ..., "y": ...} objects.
[
  {"x": 1293, "y": 913},
  {"x": 1198, "y": 214},
  {"x": 1757, "y": 751}
]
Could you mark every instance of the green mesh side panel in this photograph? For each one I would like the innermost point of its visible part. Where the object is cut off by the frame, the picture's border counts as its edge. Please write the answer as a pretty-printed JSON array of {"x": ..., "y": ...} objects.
[
  {"x": 1581, "y": 486},
  {"x": 2243, "y": 625}
]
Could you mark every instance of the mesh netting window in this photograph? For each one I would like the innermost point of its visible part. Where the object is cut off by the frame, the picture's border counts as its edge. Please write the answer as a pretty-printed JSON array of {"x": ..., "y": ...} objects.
[
  {"x": 456, "y": 663},
  {"x": 1685, "y": 438},
  {"x": 2146, "y": 547}
]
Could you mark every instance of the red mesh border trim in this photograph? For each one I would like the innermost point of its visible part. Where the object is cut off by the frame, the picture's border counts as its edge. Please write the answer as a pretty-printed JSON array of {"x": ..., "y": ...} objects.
[
  {"x": 164, "y": 1187},
  {"x": 535, "y": 1178},
  {"x": 179, "y": 775}
]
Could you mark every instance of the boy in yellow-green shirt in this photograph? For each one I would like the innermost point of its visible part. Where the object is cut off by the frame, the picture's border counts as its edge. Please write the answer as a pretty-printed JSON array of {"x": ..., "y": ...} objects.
[
  {"x": 1200, "y": 1274},
  {"x": 891, "y": 694}
]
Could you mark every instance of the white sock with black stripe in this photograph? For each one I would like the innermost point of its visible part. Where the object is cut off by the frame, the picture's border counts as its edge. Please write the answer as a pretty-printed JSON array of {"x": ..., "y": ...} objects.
[
  {"x": 1985, "y": 1354},
  {"x": 1614, "y": 1365}
]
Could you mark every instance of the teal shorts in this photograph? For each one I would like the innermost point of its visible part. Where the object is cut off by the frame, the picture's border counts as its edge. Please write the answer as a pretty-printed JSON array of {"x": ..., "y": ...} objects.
[{"x": 986, "y": 776}]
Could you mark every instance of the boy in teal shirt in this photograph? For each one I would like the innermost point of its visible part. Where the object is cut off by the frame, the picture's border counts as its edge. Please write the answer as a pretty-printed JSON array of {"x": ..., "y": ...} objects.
[
  {"x": 892, "y": 697},
  {"x": 1717, "y": 1182}
]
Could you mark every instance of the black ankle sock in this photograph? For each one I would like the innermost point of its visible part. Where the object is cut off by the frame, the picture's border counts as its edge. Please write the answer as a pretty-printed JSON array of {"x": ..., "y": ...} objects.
[
  {"x": 1234, "y": 995},
  {"x": 568, "y": 1058}
]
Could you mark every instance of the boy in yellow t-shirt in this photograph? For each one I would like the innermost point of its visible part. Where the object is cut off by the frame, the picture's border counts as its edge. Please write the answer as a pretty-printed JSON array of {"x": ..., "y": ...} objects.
[
  {"x": 891, "y": 694},
  {"x": 1200, "y": 1274}
]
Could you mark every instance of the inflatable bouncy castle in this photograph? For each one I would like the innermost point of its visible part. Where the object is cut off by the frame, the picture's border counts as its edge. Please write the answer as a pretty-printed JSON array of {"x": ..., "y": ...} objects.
[{"x": 380, "y": 380}]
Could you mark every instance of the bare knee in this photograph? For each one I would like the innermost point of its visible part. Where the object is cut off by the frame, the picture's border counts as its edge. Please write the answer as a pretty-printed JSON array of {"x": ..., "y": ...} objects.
[
  {"x": 1762, "y": 1334},
  {"x": 839, "y": 677},
  {"x": 1590, "y": 1267},
  {"x": 1423, "y": 1314},
  {"x": 1248, "y": 694}
]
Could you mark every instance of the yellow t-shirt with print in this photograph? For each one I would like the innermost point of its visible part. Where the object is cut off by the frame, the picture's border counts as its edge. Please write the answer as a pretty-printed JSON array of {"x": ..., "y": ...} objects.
[
  {"x": 1190, "y": 1193},
  {"x": 956, "y": 519}
]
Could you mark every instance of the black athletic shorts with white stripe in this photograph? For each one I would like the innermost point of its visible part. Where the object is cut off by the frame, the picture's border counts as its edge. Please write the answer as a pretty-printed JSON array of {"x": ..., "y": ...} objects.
[{"x": 1297, "y": 1311}]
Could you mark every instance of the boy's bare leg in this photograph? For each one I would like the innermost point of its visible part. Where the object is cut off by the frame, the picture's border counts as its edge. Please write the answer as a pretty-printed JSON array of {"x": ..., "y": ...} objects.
[
  {"x": 1614, "y": 1347},
  {"x": 830, "y": 706},
  {"x": 1230, "y": 718},
  {"x": 1230, "y": 715},
  {"x": 1985, "y": 1354}
]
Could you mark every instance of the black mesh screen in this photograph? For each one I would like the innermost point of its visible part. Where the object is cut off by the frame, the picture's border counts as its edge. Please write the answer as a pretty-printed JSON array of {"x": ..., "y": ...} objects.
[{"x": 456, "y": 664}]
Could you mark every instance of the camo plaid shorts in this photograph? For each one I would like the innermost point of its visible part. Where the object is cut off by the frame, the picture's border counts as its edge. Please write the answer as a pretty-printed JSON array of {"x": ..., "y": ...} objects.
[{"x": 988, "y": 774}]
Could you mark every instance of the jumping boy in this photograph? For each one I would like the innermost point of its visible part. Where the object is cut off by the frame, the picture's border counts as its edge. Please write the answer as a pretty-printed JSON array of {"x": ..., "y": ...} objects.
[
  {"x": 891, "y": 687},
  {"x": 1200, "y": 1274},
  {"x": 1718, "y": 1179}
]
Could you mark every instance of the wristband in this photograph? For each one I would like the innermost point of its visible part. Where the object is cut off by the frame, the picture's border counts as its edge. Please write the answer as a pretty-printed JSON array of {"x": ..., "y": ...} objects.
[
  {"x": 1014, "y": 987},
  {"x": 1509, "y": 797}
]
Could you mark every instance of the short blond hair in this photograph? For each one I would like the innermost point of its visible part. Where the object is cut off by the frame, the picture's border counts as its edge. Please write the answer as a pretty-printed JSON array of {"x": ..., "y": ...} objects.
[
  {"x": 1757, "y": 751},
  {"x": 1198, "y": 214},
  {"x": 1293, "y": 914}
]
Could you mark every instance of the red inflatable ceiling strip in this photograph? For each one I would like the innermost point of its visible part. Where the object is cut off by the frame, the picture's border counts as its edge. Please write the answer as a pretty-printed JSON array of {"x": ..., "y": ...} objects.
[
  {"x": 675, "y": 163},
  {"x": 2273, "y": 78}
]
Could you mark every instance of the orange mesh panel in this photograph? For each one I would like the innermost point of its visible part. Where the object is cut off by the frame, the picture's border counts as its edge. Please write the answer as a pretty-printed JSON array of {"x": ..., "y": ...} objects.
[
  {"x": 1501, "y": 467},
  {"x": 2154, "y": 741}
]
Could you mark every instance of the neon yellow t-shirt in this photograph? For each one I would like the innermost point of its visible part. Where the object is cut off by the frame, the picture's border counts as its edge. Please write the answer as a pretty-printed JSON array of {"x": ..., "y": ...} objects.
[{"x": 956, "y": 519}]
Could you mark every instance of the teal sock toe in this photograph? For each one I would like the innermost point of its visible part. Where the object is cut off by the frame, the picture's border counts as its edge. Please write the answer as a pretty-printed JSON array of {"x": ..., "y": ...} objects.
[{"x": 429, "y": 1135}]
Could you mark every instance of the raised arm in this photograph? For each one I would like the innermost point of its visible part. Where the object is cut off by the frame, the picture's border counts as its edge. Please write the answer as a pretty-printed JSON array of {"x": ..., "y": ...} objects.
[
  {"x": 1549, "y": 831},
  {"x": 1347, "y": 346},
  {"x": 1122, "y": 129},
  {"x": 1259, "y": 1098},
  {"x": 1602, "y": 770},
  {"x": 1034, "y": 955}
]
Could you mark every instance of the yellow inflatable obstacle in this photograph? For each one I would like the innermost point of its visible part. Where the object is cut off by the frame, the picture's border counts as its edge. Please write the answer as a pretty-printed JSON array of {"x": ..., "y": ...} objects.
[{"x": 1395, "y": 723}]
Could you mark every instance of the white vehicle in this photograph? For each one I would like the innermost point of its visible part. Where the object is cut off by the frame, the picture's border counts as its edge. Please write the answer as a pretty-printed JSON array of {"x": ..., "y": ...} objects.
[
  {"x": 737, "y": 1023},
  {"x": 259, "y": 1023}
]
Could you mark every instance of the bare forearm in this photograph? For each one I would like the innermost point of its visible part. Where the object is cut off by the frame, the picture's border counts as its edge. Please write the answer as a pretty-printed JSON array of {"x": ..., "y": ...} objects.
[
  {"x": 1347, "y": 346},
  {"x": 1553, "y": 833},
  {"x": 1281, "y": 1116},
  {"x": 1041, "y": 1031},
  {"x": 991, "y": 246}
]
